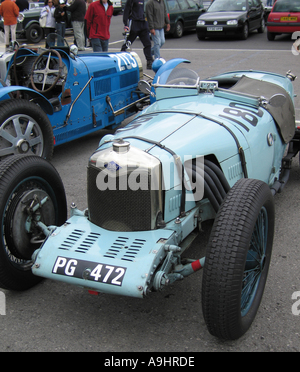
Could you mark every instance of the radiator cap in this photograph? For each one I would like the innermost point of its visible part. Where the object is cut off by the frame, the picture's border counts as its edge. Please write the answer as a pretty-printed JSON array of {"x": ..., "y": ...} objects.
[{"x": 120, "y": 146}]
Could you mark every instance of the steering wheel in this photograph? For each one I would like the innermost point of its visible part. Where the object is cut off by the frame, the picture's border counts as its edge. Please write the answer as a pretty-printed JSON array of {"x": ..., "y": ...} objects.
[{"x": 46, "y": 71}]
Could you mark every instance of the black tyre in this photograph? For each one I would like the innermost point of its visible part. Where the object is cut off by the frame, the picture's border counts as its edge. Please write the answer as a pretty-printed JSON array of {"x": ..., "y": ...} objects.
[
  {"x": 25, "y": 129},
  {"x": 178, "y": 29},
  {"x": 262, "y": 27},
  {"x": 238, "y": 258},
  {"x": 245, "y": 32},
  {"x": 31, "y": 190},
  {"x": 34, "y": 33},
  {"x": 201, "y": 36},
  {"x": 271, "y": 36}
]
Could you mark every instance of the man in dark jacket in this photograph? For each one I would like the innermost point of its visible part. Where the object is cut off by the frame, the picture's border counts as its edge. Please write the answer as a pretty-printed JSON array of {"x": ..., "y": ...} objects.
[
  {"x": 157, "y": 19},
  {"x": 135, "y": 22},
  {"x": 98, "y": 17},
  {"x": 78, "y": 9},
  {"x": 22, "y": 5}
]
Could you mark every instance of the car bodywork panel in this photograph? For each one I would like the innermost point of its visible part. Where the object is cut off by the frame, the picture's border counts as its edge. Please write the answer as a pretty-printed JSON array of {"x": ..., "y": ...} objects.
[
  {"x": 78, "y": 103},
  {"x": 240, "y": 132}
]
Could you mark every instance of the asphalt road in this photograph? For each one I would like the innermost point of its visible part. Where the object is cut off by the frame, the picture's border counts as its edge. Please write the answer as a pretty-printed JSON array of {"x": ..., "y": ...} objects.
[{"x": 58, "y": 317}]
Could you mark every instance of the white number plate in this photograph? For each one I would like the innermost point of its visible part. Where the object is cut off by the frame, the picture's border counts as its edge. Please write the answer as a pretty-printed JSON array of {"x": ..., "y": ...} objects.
[
  {"x": 215, "y": 28},
  {"x": 89, "y": 270}
]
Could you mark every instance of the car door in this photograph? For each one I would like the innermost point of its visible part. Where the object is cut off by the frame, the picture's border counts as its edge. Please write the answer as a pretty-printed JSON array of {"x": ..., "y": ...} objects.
[
  {"x": 188, "y": 10},
  {"x": 254, "y": 14}
]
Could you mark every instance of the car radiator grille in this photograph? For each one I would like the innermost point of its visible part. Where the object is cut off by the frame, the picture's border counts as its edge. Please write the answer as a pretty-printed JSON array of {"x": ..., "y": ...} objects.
[
  {"x": 119, "y": 210},
  {"x": 211, "y": 23}
]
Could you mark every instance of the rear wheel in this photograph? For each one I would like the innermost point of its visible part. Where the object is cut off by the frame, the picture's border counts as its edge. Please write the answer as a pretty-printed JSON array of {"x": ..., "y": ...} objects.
[
  {"x": 271, "y": 36},
  {"x": 178, "y": 29},
  {"x": 24, "y": 129},
  {"x": 262, "y": 27},
  {"x": 237, "y": 259},
  {"x": 31, "y": 190}
]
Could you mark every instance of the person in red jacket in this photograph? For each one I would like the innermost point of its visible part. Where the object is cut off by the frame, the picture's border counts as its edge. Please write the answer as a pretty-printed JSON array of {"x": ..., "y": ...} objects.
[
  {"x": 98, "y": 17},
  {"x": 9, "y": 11}
]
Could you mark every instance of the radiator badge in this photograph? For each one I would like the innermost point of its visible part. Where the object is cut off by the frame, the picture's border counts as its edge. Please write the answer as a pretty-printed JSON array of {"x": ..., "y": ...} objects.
[{"x": 112, "y": 166}]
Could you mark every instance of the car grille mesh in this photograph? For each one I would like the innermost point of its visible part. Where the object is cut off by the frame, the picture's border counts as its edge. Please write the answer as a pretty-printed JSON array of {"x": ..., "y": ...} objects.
[
  {"x": 119, "y": 210},
  {"x": 102, "y": 86},
  {"x": 212, "y": 23}
]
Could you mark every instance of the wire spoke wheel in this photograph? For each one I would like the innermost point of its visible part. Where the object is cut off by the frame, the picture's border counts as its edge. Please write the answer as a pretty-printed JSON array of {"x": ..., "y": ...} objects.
[
  {"x": 255, "y": 262},
  {"x": 237, "y": 259}
]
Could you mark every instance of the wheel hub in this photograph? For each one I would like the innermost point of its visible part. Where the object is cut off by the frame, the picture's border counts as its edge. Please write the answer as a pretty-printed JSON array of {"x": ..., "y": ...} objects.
[
  {"x": 23, "y": 228},
  {"x": 23, "y": 146}
]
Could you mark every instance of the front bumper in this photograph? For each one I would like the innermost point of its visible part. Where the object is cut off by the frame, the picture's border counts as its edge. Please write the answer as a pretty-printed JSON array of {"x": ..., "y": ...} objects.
[
  {"x": 218, "y": 30},
  {"x": 83, "y": 254}
]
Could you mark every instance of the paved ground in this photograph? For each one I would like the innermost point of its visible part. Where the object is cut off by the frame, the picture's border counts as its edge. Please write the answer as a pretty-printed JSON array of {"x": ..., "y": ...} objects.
[{"x": 57, "y": 317}]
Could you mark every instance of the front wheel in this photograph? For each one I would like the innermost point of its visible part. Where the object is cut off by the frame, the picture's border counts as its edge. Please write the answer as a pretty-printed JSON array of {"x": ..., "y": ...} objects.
[
  {"x": 262, "y": 27},
  {"x": 245, "y": 32},
  {"x": 31, "y": 191},
  {"x": 237, "y": 259},
  {"x": 34, "y": 33}
]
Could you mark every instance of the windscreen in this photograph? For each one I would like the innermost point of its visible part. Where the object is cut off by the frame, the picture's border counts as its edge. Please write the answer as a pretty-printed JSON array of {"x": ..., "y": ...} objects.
[
  {"x": 287, "y": 6},
  {"x": 228, "y": 6}
]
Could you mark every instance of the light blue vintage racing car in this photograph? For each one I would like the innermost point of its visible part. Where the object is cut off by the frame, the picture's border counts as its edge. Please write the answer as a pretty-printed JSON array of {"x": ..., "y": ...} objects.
[
  {"x": 53, "y": 95},
  {"x": 218, "y": 148}
]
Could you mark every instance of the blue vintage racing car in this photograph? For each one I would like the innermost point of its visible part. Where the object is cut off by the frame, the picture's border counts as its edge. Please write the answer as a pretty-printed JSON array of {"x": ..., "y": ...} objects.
[
  {"x": 215, "y": 149},
  {"x": 54, "y": 95}
]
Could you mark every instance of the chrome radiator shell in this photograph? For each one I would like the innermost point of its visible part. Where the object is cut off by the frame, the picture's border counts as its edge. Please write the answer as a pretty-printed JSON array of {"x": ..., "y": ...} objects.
[{"x": 124, "y": 188}]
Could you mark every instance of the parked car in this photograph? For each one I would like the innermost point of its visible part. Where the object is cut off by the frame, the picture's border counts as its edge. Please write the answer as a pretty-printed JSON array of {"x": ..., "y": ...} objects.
[
  {"x": 117, "y": 6},
  {"x": 36, "y": 5},
  {"x": 231, "y": 17},
  {"x": 53, "y": 96},
  {"x": 183, "y": 15},
  {"x": 195, "y": 154},
  {"x": 284, "y": 18},
  {"x": 28, "y": 26}
]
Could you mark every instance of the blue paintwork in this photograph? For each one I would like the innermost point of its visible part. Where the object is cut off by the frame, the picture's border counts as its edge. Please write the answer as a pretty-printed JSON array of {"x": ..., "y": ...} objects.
[
  {"x": 43, "y": 102},
  {"x": 114, "y": 74},
  {"x": 101, "y": 251},
  {"x": 186, "y": 121}
]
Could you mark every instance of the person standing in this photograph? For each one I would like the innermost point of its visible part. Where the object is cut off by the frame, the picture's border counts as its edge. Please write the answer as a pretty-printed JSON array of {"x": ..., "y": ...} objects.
[
  {"x": 157, "y": 18},
  {"x": 22, "y": 5},
  {"x": 135, "y": 23},
  {"x": 60, "y": 16},
  {"x": 98, "y": 17},
  {"x": 9, "y": 11},
  {"x": 78, "y": 10},
  {"x": 48, "y": 11}
]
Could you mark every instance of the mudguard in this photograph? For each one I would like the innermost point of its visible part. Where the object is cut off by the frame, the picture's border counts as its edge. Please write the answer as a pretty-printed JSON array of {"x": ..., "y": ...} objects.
[
  {"x": 37, "y": 97},
  {"x": 168, "y": 66}
]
